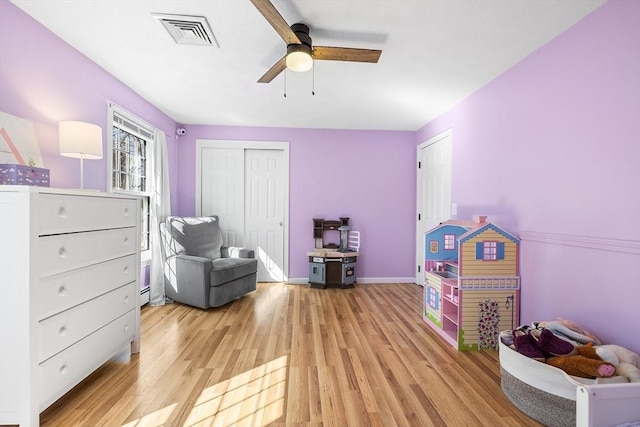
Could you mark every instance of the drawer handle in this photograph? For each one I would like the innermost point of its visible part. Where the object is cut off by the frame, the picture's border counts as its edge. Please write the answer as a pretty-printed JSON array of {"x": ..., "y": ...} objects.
[
  {"x": 126, "y": 299},
  {"x": 62, "y": 212},
  {"x": 126, "y": 241},
  {"x": 126, "y": 212},
  {"x": 62, "y": 252},
  {"x": 63, "y": 370},
  {"x": 126, "y": 327},
  {"x": 63, "y": 331},
  {"x": 62, "y": 291},
  {"x": 125, "y": 270}
]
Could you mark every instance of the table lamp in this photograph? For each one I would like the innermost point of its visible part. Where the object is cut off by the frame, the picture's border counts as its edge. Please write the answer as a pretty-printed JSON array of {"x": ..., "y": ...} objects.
[{"x": 82, "y": 141}]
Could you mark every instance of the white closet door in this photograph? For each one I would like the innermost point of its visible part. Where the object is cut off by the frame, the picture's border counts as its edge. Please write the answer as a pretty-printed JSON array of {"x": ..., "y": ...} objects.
[
  {"x": 264, "y": 211},
  {"x": 222, "y": 187},
  {"x": 246, "y": 186}
]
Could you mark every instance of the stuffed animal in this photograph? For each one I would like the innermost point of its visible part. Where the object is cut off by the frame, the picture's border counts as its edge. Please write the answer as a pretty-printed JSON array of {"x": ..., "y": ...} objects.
[
  {"x": 627, "y": 362},
  {"x": 569, "y": 330},
  {"x": 586, "y": 364}
]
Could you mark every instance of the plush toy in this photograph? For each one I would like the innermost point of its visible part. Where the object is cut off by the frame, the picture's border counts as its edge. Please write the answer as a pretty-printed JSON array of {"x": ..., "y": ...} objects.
[
  {"x": 586, "y": 364},
  {"x": 569, "y": 330},
  {"x": 627, "y": 362},
  {"x": 552, "y": 344}
]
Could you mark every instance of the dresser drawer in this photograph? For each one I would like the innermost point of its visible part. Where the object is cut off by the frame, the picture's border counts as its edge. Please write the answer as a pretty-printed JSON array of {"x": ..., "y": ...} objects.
[
  {"x": 54, "y": 294},
  {"x": 58, "y": 332},
  {"x": 63, "y": 371},
  {"x": 61, "y": 253},
  {"x": 66, "y": 214}
]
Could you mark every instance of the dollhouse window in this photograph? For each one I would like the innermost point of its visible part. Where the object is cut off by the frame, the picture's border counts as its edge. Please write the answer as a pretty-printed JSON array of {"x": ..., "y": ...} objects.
[
  {"x": 449, "y": 242},
  {"x": 489, "y": 250},
  {"x": 433, "y": 298}
]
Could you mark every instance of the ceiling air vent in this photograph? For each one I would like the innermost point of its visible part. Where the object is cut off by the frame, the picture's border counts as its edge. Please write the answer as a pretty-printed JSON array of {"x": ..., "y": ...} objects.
[{"x": 184, "y": 29}]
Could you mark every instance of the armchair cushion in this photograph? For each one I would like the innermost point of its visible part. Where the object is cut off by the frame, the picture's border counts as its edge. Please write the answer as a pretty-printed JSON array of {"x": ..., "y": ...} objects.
[
  {"x": 227, "y": 269},
  {"x": 196, "y": 236}
]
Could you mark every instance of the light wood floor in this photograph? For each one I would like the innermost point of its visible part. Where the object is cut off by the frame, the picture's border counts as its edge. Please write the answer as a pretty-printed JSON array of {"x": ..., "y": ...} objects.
[{"x": 291, "y": 355}]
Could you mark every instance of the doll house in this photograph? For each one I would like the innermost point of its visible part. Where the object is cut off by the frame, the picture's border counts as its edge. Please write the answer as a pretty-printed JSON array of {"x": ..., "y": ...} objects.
[{"x": 472, "y": 282}]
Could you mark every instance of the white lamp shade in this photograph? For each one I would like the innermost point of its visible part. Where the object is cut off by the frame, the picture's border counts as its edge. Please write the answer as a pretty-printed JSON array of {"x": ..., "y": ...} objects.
[
  {"x": 299, "y": 61},
  {"x": 80, "y": 140}
]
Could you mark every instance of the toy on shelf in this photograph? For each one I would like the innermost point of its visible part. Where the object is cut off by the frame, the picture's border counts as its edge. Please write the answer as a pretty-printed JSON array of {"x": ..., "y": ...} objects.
[{"x": 472, "y": 282}]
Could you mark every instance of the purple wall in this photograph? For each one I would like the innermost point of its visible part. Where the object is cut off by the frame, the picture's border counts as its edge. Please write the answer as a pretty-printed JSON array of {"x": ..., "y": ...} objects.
[
  {"x": 551, "y": 151},
  {"x": 44, "y": 80},
  {"x": 368, "y": 176}
]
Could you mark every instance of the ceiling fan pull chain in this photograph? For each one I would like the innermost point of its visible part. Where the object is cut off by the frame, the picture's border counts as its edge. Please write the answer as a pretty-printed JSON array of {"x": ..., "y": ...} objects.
[
  {"x": 285, "y": 82},
  {"x": 313, "y": 81}
]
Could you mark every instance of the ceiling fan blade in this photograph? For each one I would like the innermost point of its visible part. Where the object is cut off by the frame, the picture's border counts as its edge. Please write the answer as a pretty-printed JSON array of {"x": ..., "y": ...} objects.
[
  {"x": 271, "y": 14},
  {"x": 329, "y": 53},
  {"x": 276, "y": 69}
]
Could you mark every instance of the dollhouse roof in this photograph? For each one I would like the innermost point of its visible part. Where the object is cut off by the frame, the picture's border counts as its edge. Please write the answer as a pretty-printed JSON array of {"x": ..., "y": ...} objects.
[
  {"x": 473, "y": 228},
  {"x": 481, "y": 228},
  {"x": 462, "y": 225}
]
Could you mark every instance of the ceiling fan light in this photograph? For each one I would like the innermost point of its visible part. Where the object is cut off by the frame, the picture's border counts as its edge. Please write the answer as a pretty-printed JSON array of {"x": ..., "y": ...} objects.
[{"x": 299, "y": 60}]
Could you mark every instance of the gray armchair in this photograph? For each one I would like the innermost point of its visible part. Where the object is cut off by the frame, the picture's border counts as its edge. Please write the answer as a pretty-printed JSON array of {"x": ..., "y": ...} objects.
[{"x": 199, "y": 270}]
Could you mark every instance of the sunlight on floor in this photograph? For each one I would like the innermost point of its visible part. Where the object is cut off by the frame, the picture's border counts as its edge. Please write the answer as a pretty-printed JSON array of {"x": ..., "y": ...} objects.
[
  {"x": 154, "y": 419},
  {"x": 255, "y": 397}
]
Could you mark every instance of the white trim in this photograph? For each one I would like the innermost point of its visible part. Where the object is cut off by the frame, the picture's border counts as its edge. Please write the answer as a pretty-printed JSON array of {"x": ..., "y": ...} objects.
[
  {"x": 249, "y": 145},
  {"x": 116, "y": 109},
  {"x": 419, "y": 279},
  {"x": 145, "y": 258},
  {"x": 600, "y": 243}
]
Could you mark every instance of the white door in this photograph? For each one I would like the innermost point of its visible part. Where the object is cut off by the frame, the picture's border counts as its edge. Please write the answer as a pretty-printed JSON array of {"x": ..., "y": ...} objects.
[
  {"x": 264, "y": 211},
  {"x": 434, "y": 191},
  {"x": 222, "y": 191},
  {"x": 245, "y": 183}
]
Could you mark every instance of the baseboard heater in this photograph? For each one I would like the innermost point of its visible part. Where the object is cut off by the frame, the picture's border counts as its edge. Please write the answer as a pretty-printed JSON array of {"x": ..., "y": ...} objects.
[{"x": 144, "y": 296}]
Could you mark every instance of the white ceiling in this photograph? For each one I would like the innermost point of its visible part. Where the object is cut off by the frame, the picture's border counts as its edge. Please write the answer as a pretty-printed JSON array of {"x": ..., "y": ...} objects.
[{"x": 434, "y": 54}]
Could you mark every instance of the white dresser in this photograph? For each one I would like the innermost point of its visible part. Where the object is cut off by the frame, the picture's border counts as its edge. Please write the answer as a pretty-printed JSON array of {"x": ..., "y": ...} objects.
[{"x": 69, "y": 291}]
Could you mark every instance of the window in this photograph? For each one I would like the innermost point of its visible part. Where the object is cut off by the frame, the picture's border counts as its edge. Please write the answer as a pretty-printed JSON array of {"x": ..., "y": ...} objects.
[
  {"x": 489, "y": 251},
  {"x": 130, "y": 161},
  {"x": 449, "y": 242},
  {"x": 433, "y": 298}
]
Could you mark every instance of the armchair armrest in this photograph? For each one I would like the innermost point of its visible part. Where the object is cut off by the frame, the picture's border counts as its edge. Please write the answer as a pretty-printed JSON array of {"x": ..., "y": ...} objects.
[
  {"x": 235, "y": 252},
  {"x": 187, "y": 279}
]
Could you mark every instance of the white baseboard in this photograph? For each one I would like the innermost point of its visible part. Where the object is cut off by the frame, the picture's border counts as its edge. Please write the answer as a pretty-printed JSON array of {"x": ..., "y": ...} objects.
[{"x": 362, "y": 280}]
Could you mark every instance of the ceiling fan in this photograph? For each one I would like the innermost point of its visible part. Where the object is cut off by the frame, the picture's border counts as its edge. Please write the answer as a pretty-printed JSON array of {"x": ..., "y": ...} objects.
[{"x": 300, "y": 50}]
